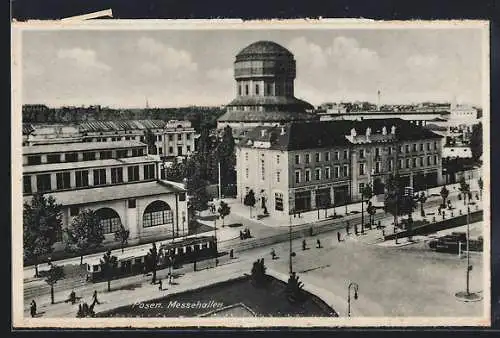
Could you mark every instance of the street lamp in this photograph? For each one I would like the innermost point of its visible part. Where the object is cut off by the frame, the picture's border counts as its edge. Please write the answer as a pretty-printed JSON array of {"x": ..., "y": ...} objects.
[
  {"x": 355, "y": 287},
  {"x": 290, "y": 269}
]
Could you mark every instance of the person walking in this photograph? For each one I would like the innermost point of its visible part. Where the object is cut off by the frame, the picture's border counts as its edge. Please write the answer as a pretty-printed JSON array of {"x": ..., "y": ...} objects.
[
  {"x": 160, "y": 286},
  {"x": 273, "y": 254},
  {"x": 318, "y": 243},
  {"x": 94, "y": 297},
  {"x": 338, "y": 236},
  {"x": 304, "y": 244},
  {"x": 33, "y": 308},
  {"x": 347, "y": 228}
]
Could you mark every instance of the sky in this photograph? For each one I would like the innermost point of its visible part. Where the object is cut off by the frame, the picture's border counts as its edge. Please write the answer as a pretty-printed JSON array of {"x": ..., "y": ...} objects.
[{"x": 173, "y": 68}]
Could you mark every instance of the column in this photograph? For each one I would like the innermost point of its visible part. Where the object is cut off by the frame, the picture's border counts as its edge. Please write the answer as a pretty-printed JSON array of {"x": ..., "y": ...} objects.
[
  {"x": 313, "y": 199},
  {"x": 108, "y": 175},
  {"x": 332, "y": 195},
  {"x": 53, "y": 181},
  {"x": 33, "y": 183},
  {"x": 291, "y": 201},
  {"x": 91, "y": 177},
  {"x": 72, "y": 179},
  {"x": 411, "y": 179},
  {"x": 125, "y": 174},
  {"x": 141, "y": 172}
]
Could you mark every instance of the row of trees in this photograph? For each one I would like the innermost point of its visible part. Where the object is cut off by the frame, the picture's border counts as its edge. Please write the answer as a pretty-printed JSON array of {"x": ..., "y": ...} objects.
[{"x": 42, "y": 228}]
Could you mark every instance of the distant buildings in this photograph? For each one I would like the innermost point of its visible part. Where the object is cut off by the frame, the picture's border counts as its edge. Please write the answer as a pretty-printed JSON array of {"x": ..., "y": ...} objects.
[
  {"x": 264, "y": 72},
  {"x": 118, "y": 180},
  {"x": 305, "y": 166}
]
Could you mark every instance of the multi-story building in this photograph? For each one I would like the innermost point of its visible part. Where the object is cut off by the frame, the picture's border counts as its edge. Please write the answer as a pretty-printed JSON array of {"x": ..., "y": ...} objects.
[
  {"x": 264, "y": 72},
  {"x": 304, "y": 166},
  {"x": 178, "y": 139},
  {"x": 116, "y": 179}
]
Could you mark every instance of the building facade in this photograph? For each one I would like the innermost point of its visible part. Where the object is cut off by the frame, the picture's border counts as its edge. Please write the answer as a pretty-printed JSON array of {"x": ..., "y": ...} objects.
[
  {"x": 118, "y": 180},
  {"x": 307, "y": 166},
  {"x": 264, "y": 73},
  {"x": 178, "y": 139}
]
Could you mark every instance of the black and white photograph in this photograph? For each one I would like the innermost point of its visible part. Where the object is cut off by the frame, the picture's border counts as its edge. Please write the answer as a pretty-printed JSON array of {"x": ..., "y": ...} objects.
[{"x": 243, "y": 174}]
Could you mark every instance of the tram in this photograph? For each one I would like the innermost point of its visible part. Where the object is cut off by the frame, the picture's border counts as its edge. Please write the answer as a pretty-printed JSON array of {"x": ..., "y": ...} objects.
[{"x": 174, "y": 253}]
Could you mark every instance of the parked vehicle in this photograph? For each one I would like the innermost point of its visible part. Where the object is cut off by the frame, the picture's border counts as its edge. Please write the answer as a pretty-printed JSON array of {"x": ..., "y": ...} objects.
[{"x": 450, "y": 243}]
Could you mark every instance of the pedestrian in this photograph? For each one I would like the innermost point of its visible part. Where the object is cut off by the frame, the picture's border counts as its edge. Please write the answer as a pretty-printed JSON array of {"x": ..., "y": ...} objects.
[
  {"x": 194, "y": 266},
  {"x": 273, "y": 254},
  {"x": 231, "y": 253},
  {"x": 79, "y": 314},
  {"x": 72, "y": 297},
  {"x": 303, "y": 244},
  {"x": 318, "y": 243},
  {"x": 33, "y": 308},
  {"x": 383, "y": 234},
  {"x": 85, "y": 309},
  {"x": 356, "y": 230},
  {"x": 160, "y": 286},
  {"x": 347, "y": 228},
  {"x": 338, "y": 236},
  {"x": 94, "y": 297},
  {"x": 310, "y": 231},
  {"x": 241, "y": 235}
]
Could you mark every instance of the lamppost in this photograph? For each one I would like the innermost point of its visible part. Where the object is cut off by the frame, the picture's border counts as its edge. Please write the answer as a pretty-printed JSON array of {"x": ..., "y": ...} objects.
[
  {"x": 290, "y": 269},
  {"x": 469, "y": 267},
  {"x": 184, "y": 224},
  {"x": 355, "y": 287}
]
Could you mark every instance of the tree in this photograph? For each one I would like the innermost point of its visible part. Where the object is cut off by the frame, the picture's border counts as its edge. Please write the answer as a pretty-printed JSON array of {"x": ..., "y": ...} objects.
[
  {"x": 258, "y": 273},
  {"x": 444, "y": 194},
  {"x": 152, "y": 259},
  {"x": 366, "y": 193},
  {"x": 85, "y": 232},
  {"x": 226, "y": 156},
  {"x": 122, "y": 236},
  {"x": 55, "y": 274},
  {"x": 108, "y": 265},
  {"x": 41, "y": 225},
  {"x": 476, "y": 141},
  {"x": 150, "y": 139},
  {"x": 224, "y": 210},
  {"x": 464, "y": 188},
  {"x": 177, "y": 171},
  {"x": 393, "y": 197},
  {"x": 294, "y": 288},
  {"x": 480, "y": 183},
  {"x": 250, "y": 200}
]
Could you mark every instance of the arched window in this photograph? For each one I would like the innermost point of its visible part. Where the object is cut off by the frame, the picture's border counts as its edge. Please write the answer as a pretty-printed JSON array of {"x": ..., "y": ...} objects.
[
  {"x": 157, "y": 213},
  {"x": 109, "y": 219}
]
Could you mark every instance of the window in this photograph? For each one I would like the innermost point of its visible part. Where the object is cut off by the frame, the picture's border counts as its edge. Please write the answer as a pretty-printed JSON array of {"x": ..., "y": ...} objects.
[
  {"x": 407, "y": 163},
  {"x": 346, "y": 154},
  {"x": 377, "y": 152},
  {"x": 105, "y": 155},
  {"x": 246, "y": 172},
  {"x": 407, "y": 148},
  {"x": 54, "y": 158},
  {"x": 428, "y": 160},
  {"x": 71, "y": 157},
  {"x": 362, "y": 169},
  {"x": 317, "y": 174},
  {"x": 421, "y": 146},
  {"x": 428, "y": 146},
  {"x": 336, "y": 156},
  {"x": 346, "y": 170},
  {"x": 109, "y": 220},
  {"x": 435, "y": 145},
  {"x": 414, "y": 147},
  {"x": 27, "y": 184},
  {"x": 246, "y": 156},
  {"x": 307, "y": 159},
  {"x": 82, "y": 178},
  {"x": 297, "y": 176},
  {"x": 73, "y": 211},
  {"x": 390, "y": 164},
  {"x": 361, "y": 153},
  {"x": 149, "y": 171},
  {"x": 63, "y": 181},
  {"x": 278, "y": 201},
  {"x": 35, "y": 159},
  {"x": 400, "y": 163},
  {"x": 121, "y": 153},
  {"x": 435, "y": 159},
  {"x": 308, "y": 175},
  {"x": 414, "y": 162},
  {"x": 88, "y": 156},
  {"x": 133, "y": 173},
  {"x": 170, "y": 137},
  {"x": 188, "y": 137},
  {"x": 297, "y": 159},
  {"x": 160, "y": 150},
  {"x": 246, "y": 89},
  {"x": 361, "y": 187},
  {"x": 116, "y": 175},
  {"x": 269, "y": 89},
  {"x": 277, "y": 159},
  {"x": 257, "y": 89},
  {"x": 278, "y": 176},
  {"x": 390, "y": 150},
  {"x": 239, "y": 89},
  {"x": 170, "y": 150},
  {"x": 336, "y": 172},
  {"x": 377, "y": 167},
  {"x": 328, "y": 173},
  {"x": 327, "y": 156},
  {"x": 99, "y": 176},
  {"x": 401, "y": 149},
  {"x": 318, "y": 157},
  {"x": 421, "y": 161},
  {"x": 159, "y": 137},
  {"x": 262, "y": 170},
  {"x": 188, "y": 149},
  {"x": 137, "y": 152},
  {"x": 131, "y": 203},
  {"x": 43, "y": 183},
  {"x": 179, "y": 150},
  {"x": 157, "y": 213}
]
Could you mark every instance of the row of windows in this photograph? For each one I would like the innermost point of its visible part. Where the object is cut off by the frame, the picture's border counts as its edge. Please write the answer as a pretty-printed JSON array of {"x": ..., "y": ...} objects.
[
  {"x": 418, "y": 147},
  {"x": 319, "y": 157},
  {"x": 131, "y": 138},
  {"x": 87, "y": 156},
  {"x": 287, "y": 89},
  {"x": 338, "y": 172},
  {"x": 63, "y": 179}
]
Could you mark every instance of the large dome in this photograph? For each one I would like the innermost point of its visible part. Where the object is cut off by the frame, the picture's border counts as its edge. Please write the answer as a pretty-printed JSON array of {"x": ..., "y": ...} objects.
[{"x": 263, "y": 50}]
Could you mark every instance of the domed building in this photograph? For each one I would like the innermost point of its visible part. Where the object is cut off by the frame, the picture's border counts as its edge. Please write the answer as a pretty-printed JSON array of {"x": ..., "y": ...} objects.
[{"x": 264, "y": 72}]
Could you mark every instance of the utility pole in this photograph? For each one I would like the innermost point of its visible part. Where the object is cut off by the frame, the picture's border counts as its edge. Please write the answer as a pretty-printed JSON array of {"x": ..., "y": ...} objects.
[
  {"x": 220, "y": 194},
  {"x": 468, "y": 253},
  {"x": 290, "y": 269}
]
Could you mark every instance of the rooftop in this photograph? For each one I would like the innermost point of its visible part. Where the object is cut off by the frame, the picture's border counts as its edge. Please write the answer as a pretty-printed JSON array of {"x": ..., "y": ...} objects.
[
  {"x": 311, "y": 135},
  {"x": 263, "y": 49},
  {"x": 118, "y": 125},
  {"x": 79, "y": 146},
  {"x": 264, "y": 116},
  {"x": 109, "y": 193},
  {"x": 50, "y": 167}
]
